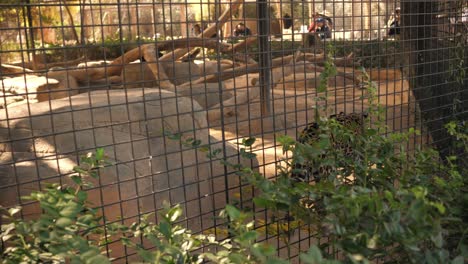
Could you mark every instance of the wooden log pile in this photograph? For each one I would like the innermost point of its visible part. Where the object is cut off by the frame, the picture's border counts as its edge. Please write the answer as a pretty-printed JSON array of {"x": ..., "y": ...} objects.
[{"x": 164, "y": 71}]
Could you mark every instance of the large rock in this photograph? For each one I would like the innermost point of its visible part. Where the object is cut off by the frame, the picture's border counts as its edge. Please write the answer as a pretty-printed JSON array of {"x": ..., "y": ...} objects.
[
  {"x": 137, "y": 75},
  {"x": 93, "y": 64},
  {"x": 212, "y": 67},
  {"x": 25, "y": 87},
  {"x": 205, "y": 94},
  {"x": 64, "y": 85},
  {"x": 181, "y": 72},
  {"x": 43, "y": 142}
]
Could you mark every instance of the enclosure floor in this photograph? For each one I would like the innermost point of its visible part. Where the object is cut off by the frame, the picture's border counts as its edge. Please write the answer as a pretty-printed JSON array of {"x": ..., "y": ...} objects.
[{"x": 293, "y": 109}]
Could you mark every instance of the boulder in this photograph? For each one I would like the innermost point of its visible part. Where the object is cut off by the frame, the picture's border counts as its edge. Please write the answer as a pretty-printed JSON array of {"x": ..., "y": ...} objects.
[
  {"x": 43, "y": 142},
  {"x": 93, "y": 64},
  {"x": 26, "y": 86},
  {"x": 9, "y": 98},
  {"x": 137, "y": 75},
  {"x": 181, "y": 72},
  {"x": 205, "y": 94},
  {"x": 62, "y": 85},
  {"x": 211, "y": 67},
  {"x": 12, "y": 70}
]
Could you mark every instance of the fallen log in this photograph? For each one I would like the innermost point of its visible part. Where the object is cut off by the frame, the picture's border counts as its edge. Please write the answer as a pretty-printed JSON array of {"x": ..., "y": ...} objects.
[
  {"x": 191, "y": 55},
  {"x": 243, "y": 58},
  {"x": 8, "y": 70},
  {"x": 251, "y": 68},
  {"x": 252, "y": 91},
  {"x": 211, "y": 30},
  {"x": 148, "y": 52},
  {"x": 43, "y": 65}
]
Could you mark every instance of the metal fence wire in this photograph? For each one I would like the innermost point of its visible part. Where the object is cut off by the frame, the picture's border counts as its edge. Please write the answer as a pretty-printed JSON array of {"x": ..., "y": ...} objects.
[{"x": 123, "y": 74}]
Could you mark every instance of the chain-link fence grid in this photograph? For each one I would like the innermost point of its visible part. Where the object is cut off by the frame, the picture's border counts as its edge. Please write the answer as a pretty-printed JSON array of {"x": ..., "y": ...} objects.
[{"x": 122, "y": 75}]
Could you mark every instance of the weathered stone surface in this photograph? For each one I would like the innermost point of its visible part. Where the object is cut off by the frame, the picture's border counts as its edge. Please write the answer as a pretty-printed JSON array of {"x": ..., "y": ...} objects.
[
  {"x": 90, "y": 64},
  {"x": 43, "y": 142},
  {"x": 205, "y": 94},
  {"x": 181, "y": 72},
  {"x": 137, "y": 75},
  {"x": 211, "y": 67},
  {"x": 310, "y": 80},
  {"x": 8, "y": 99},
  {"x": 12, "y": 70},
  {"x": 25, "y": 86},
  {"x": 63, "y": 85}
]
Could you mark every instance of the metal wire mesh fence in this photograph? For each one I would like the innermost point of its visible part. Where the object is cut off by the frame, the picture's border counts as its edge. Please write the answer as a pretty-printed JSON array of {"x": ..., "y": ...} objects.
[{"x": 123, "y": 75}]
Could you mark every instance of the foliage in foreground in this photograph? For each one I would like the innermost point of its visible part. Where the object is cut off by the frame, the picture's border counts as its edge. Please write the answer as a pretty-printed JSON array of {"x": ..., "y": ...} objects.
[
  {"x": 69, "y": 230},
  {"x": 400, "y": 208}
]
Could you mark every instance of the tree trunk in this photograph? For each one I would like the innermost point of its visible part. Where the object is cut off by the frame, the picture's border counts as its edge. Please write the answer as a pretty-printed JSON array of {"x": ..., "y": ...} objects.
[
  {"x": 30, "y": 43},
  {"x": 184, "y": 30},
  {"x": 134, "y": 30},
  {"x": 72, "y": 23},
  {"x": 429, "y": 59},
  {"x": 82, "y": 22}
]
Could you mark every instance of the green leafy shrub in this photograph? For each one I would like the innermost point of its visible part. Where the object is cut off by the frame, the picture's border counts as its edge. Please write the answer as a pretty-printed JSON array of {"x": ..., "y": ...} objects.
[
  {"x": 371, "y": 53},
  {"x": 382, "y": 203},
  {"x": 64, "y": 230},
  {"x": 70, "y": 231}
]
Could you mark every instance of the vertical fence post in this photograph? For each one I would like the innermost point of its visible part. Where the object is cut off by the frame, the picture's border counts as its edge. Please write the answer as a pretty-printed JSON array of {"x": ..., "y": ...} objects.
[{"x": 263, "y": 26}]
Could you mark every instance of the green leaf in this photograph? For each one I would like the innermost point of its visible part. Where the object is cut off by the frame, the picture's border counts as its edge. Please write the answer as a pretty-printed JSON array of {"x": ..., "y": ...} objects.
[
  {"x": 6, "y": 229},
  {"x": 99, "y": 154},
  {"x": 165, "y": 229},
  {"x": 204, "y": 148},
  {"x": 86, "y": 219},
  {"x": 174, "y": 213},
  {"x": 263, "y": 202},
  {"x": 249, "y": 236},
  {"x": 440, "y": 207},
  {"x": 196, "y": 143},
  {"x": 14, "y": 210},
  {"x": 246, "y": 155},
  {"x": 176, "y": 136},
  {"x": 237, "y": 258},
  {"x": 458, "y": 260},
  {"x": 233, "y": 212},
  {"x": 71, "y": 210},
  {"x": 438, "y": 240},
  {"x": 63, "y": 222},
  {"x": 89, "y": 254},
  {"x": 276, "y": 261},
  {"x": 249, "y": 141},
  {"x": 313, "y": 256},
  {"x": 98, "y": 259},
  {"x": 76, "y": 179},
  {"x": 78, "y": 169},
  {"x": 82, "y": 196}
]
